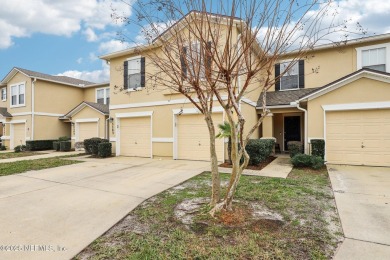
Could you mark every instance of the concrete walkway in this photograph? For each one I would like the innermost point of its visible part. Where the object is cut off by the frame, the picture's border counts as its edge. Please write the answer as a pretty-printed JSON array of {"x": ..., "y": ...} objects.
[
  {"x": 278, "y": 168},
  {"x": 48, "y": 154},
  {"x": 363, "y": 200},
  {"x": 55, "y": 213}
]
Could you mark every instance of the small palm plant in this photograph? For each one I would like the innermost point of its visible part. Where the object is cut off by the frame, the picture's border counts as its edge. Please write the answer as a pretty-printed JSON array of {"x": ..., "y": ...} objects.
[{"x": 226, "y": 131}]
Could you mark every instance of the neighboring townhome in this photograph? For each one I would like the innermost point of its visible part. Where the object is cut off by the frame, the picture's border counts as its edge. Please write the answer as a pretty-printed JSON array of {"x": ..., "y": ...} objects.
[
  {"x": 339, "y": 94},
  {"x": 33, "y": 105}
]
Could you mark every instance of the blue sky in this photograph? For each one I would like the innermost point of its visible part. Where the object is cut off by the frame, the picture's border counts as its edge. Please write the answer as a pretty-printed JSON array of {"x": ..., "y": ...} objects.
[{"x": 67, "y": 36}]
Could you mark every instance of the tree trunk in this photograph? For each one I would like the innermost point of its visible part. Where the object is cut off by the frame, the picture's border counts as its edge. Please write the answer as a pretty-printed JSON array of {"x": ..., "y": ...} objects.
[
  {"x": 215, "y": 177},
  {"x": 230, "y": 150}
]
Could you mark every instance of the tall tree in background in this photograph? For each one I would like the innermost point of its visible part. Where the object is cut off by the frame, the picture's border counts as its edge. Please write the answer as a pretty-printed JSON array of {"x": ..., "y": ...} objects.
[{"x": 218, "y": 52}]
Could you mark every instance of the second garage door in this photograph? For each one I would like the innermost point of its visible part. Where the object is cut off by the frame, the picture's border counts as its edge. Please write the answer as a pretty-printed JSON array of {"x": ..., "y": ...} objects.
[
  {"x": 193, "y": 142},
  {"x": 135, "y": 136},
  {"x": 87, "y": 130},
  {"x": 358, "y": 137}
]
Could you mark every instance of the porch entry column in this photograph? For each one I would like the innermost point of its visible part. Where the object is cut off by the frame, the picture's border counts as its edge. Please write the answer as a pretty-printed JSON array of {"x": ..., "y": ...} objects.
[{"x": 268, "y": 126}]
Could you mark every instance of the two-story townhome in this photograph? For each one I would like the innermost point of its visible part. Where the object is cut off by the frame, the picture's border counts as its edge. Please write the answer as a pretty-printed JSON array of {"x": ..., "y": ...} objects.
[
  {"x": 33, "y": 106},
  {"x": 338, "y": 94}
]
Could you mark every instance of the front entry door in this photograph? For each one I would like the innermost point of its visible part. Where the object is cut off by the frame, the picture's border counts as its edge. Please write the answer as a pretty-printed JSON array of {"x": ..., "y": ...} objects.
[{"x": 292, "y": 129}]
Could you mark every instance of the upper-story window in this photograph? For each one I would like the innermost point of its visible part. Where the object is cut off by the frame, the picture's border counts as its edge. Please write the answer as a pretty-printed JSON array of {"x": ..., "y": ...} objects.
[
  {"x": 103, "y": 96},
  {"x": 4, "y": 94},
  {"x": 196, "y": 60},
  {"x": 291, "y": 75},
  {"x": 134, "y": 73},
  {"x": 376, "y": 57},
  {"x": 18, "y": 95}
]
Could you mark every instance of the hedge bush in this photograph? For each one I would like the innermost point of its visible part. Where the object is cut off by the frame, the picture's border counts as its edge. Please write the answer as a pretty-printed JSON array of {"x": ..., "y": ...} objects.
[
  {"x": 259, "y": 150},
  {"x": 294, "y": 147},
  {"x": 104, "y": 149},
  {"x": 318, "y": 147},
  {"x": 91, "y": 145},
  {"x": 3, "y": 148},
  {"x": 305, "y": 160},
  {"x": 20, "y": 148},
  {"x": 65, "y": 146},
  {"x": 63, "y": 138},
  {"x": 39, "y": 145},
  {"x": 56, "y": 145}
]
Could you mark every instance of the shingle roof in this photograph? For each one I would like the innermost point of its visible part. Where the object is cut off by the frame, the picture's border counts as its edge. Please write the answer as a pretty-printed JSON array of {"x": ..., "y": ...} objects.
[
  {"x": 101, "y": 107},
  {"x": 278, "y": 98},
  {"x": 62, "y": 79},
  {"x": 4, "y": 112}
]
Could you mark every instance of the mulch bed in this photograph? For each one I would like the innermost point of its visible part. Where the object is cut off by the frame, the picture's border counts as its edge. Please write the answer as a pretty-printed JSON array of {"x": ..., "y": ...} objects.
[{"x": 252, "y": 167}]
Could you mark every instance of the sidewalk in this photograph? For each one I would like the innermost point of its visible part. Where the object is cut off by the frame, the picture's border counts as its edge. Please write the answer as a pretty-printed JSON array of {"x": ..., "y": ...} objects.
[
  {"x": 278, "y": 168},
  {"x": 48, "y": 154}
]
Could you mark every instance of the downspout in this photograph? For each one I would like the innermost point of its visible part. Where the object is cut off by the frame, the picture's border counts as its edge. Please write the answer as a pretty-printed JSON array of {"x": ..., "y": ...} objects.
[
  {"x": 107, "y": 129},
  {"x": 32, "y": 108},
  {"x": 306, "y": 145}
]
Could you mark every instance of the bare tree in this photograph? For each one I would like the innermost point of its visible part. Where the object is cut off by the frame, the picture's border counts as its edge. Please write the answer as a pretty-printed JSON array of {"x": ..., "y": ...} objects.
[{"x": 217, "y": 52}]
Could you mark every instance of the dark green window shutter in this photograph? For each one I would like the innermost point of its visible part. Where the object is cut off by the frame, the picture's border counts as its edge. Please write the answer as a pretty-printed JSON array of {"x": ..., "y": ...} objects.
[
  {"x": 183, "y": 62},
  {"x": 277, "y": 73},
  {"x": 208, "y": 58},
  {"x": 142, "y": 72},
  {"x": 301, "y": 74},
  {"x": 125, "y": 75}
]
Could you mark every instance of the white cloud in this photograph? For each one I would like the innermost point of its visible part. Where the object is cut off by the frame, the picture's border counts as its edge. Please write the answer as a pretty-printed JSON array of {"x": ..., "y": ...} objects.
[
  {"x": 92, "y": 56},
  {"x": 112, "y": 46},
  {"x": 79, "y": 60},
  {"x": 20, "y": 18},
  {"x": 97, "y": 76},
  {"x": 90, "y": 34}
]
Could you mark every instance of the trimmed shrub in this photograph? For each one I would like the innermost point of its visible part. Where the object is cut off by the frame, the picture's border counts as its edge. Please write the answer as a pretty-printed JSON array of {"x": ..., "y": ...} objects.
[
  {"x": 63, "y": 138},
  {"x": 305, "y": 160},
  {"x": 65, "y": 146},
  {"x": 318, "y": 147},
  {"x": 3, "y": 148},
  {"x": 104, "y": 149},
  {"x": 39, "y": 145},
  {"x": 294, "y": 147},
  {"x": 259, "y": 150},
  {"x": 91, "y": 145},
  {"x": 79, "y": 146},
  {"x": 56, "y": 145},
  {"x": 20, "y": 148}
]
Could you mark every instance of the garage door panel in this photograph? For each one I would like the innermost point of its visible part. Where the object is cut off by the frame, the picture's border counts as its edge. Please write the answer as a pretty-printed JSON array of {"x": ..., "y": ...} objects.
[
  {"x": 193, "y": 141},
  {"x": 348, "y": 131},
  {"x": 19, "y": 134},
  {"x": 87, "y": 130},
  {"x": 135, "y": 136}
]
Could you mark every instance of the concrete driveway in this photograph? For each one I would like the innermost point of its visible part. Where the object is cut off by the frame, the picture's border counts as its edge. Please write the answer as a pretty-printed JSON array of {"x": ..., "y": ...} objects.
[
  {"x": 363, "y": 200},
  {"x": 55, "y": 213}
]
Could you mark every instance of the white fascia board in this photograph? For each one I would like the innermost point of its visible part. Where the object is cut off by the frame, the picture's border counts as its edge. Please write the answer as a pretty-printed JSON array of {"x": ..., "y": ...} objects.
[
  {"x": 193, "y": 111},
  {"x": 356, "y": 106},
  {"x": 134, "y": 114},
  {"x": 87, "y": 120},
  {"x": 162, "y": 139}
]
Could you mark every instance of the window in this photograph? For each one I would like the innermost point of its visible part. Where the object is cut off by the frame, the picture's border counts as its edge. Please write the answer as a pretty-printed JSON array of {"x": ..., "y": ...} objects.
[
  {"x": 194, "y": 60},
  {"x": 18, "y": 95},
  {"x": 103, "y": 96},
  {"x": 291, "y": 75},
  {"x": 376, "y": 57},
  {"x": 134, "y": 73},
  {"x": 4, "y": 94}
]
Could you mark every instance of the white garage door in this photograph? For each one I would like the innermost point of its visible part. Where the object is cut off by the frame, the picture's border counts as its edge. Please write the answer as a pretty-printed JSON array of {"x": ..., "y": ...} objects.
[
  {"x": 135, "y": 137},
  {"x": 87, "y": 130},
  {"x": 358, "y": 137},
  {"x": 193, "y": 141},
  {"x": 18, "y": 134}
]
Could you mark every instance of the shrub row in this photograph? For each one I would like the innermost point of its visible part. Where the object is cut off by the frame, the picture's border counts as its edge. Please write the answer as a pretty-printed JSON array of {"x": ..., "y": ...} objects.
[
  {"x": 259, "y": 150},
  {"x": 305, "y": 160},
  {"x": 39, "y": 145},
  {"x": 98, "y": 147},
  {"x": 20, "y": 148},
  {"x": 318, "y": 147},
  {"x": 294, "y": 148}
]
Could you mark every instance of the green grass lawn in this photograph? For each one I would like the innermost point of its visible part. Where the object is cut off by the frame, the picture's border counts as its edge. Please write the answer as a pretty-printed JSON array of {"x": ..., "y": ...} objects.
[
  {"x": 17, "y": 155},
  {"x": 29, "y": 165},
  {"x": 309, "y": 229}
]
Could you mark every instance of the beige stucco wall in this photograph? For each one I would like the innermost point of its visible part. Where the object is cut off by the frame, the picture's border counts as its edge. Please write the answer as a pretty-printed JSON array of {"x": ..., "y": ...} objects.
[
  {"x": 19, "y": 78},
  {"x": 363, "y": 90},
  {"x": 50, "y": 127},
  {"x": 87, "y": 113},
  {"x": 56, "y": 98}
]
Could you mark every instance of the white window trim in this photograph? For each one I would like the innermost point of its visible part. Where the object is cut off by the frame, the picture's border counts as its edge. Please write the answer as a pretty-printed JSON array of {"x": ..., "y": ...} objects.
[
  {"x": 10, "y": 100},
  {"x": 104, "y": 96},
  {"x": 359, "y": 57},
  {"x": 1, "y": 92},
  {"x": 130, "y": 115},
  {"x": 130, "y": 59},
  {"x": 280, "y": 78}
]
